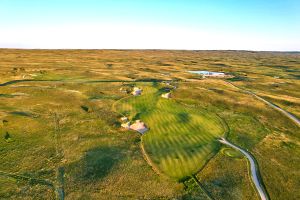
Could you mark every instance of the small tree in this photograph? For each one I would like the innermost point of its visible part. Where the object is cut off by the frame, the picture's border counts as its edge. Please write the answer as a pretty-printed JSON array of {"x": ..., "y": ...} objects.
[
  {"x": 6, "y": 136},
  {"x": 109, "y": 65}
]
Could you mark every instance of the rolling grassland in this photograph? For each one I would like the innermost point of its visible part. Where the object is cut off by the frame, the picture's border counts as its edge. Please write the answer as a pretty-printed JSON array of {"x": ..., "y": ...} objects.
[
  {"x": 86, "y": 143},
  {"x": 60, "y": 133}
]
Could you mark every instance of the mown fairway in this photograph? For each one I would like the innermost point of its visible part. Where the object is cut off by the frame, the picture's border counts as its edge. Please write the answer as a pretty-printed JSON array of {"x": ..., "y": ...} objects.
[{"x": 181, "y": 139}]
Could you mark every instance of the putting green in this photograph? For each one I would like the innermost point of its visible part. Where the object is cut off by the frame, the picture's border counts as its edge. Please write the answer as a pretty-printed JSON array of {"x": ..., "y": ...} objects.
[{"x": 180, "y": 139}]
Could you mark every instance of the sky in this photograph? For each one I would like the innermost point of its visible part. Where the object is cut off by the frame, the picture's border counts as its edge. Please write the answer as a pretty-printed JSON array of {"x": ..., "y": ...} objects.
[{"x": 264, "y": 25}]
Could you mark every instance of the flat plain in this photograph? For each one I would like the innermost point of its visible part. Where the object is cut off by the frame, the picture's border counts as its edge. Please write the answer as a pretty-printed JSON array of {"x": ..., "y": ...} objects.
[{"x": 61, "y": 134}]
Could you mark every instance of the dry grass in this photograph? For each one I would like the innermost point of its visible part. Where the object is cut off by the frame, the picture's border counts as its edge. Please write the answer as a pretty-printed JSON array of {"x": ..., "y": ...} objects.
[{"x": 101, "y": 161}]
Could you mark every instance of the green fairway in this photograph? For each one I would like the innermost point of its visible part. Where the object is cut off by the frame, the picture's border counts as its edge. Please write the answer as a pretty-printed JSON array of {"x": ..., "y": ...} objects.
[{"x": 180, "y": 139}]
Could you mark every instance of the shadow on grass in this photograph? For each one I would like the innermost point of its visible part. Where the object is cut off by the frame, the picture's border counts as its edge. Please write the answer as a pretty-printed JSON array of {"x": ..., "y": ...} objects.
[
  {"x": 20, "y": 113},
  {"x": 7, "y": 96},
  {"x": 164, "y": 90},
  {"x": 25, "y": 80},
  {"x": 96, "y": 164},
  {"x": 183, "y": 117},
  {"x": 137, "y": 116}
]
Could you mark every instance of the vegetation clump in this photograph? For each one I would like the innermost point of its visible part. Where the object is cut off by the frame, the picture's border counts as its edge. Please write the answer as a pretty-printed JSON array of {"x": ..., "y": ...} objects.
[{"x": 7, "y": 137}]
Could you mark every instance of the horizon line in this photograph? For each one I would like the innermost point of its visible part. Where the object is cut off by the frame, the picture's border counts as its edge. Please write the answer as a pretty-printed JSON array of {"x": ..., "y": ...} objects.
[{"x": 138, "y": 49}]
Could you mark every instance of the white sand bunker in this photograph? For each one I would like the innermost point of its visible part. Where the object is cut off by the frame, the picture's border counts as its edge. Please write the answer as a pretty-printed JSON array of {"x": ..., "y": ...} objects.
[
  {"x": 138, "y": 126},
  {"x": 137, "y": 91},
  {"x": 166, "y": 95}
]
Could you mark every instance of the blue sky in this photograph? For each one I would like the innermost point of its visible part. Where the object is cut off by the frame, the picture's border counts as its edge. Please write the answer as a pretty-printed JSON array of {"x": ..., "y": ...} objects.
[{"x": 154, "y": 24}]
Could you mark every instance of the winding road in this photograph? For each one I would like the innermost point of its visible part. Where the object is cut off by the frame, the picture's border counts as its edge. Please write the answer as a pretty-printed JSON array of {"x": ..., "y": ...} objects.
[
  {"x": 287, "y": 114},
  {"x": 254, "y": 170}
]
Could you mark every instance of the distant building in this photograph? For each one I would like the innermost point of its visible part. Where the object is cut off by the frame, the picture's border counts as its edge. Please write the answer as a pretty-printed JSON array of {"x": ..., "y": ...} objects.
[
  {"x": 216, "y": 74},
  {"x": 208, "y": 73}
]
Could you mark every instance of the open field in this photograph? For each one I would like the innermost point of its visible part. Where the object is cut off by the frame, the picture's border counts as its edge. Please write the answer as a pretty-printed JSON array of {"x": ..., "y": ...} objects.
[
  {"x": 60, "y": 127},
  {"x": 181, "y": 139},
  {"x": 86, "y": 144}
]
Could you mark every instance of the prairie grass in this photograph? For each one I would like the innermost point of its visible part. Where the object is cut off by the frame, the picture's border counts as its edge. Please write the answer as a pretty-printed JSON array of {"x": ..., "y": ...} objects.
[{"x": 49, "y": 130}]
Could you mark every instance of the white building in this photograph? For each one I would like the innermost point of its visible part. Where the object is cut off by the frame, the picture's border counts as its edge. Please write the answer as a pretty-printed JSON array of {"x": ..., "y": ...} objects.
[{"x": 208, "y": 73}]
